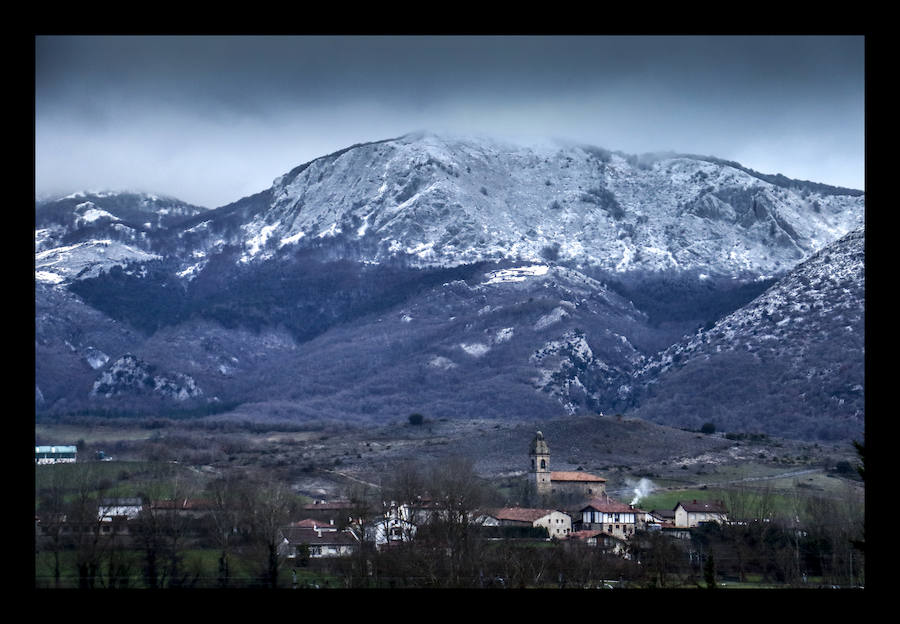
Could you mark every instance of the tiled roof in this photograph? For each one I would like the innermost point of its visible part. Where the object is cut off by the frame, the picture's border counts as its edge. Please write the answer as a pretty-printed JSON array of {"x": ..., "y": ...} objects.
[
  {"x": 521, "y": 514},
  {"x": 707, "y": 506},
  {"x": 575, "y": 475},
  {"x": 608, "y": 505}
]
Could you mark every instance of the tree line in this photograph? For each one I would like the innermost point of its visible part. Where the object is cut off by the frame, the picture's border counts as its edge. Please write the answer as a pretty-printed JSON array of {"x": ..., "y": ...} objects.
[{"x": 816, "y": 541}]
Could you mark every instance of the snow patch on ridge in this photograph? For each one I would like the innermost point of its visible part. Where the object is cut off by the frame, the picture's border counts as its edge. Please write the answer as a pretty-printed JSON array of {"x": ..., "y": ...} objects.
[
  {"x": 475, "y": 349},
  {"x": 517, "y": 274}
]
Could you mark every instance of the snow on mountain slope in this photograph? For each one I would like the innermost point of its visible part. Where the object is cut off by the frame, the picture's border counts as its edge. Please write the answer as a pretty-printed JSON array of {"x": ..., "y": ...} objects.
[
  {"x": 455, "y": 200},
  {"x": 85, "y": 234},
  {"x": 353, "y": 288},
  {"x": 797, "y": 350}
]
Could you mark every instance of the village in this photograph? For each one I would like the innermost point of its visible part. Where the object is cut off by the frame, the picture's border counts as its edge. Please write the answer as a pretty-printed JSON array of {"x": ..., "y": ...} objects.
[
  {"x": 342, "y": 529},
  {"x": 597, "y": 521}
]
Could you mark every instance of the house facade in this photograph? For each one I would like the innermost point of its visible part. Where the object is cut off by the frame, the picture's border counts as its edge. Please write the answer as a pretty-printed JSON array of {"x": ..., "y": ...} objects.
[
  {"x": 691, "y": 513},
  {"x": 389, "y": 530},
  {"x": 317, "y": 543},
  {"x": 557, "y": 523},
  {"x": 611, "y": 517}
]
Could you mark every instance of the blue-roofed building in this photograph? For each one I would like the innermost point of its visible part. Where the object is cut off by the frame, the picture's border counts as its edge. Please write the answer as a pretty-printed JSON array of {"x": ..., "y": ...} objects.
[{"x": 54, "y": 454}]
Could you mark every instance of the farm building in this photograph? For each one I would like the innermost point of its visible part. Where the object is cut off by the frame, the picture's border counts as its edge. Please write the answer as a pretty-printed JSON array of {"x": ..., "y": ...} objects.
[
  {"x": 55, "y": 454},
  {"x": 692, "y": 513}
]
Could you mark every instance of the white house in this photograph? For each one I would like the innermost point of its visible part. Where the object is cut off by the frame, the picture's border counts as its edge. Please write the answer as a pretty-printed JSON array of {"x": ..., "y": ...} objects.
[
  {"x": 398, "y": 524},
  {"x": 692, "y": 513},
  {"x": 319, "y": 543},
  {"x": 612, "y": 517},
  {"x": 557, "y": 523}
]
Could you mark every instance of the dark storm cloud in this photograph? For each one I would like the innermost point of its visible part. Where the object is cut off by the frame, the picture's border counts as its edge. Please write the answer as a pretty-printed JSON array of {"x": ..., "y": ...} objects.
[{"x": 210, "y": 119}]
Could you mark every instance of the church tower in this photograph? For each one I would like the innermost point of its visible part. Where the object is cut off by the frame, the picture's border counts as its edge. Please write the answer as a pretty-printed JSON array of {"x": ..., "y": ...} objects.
[{"x": 540, "y": 464}]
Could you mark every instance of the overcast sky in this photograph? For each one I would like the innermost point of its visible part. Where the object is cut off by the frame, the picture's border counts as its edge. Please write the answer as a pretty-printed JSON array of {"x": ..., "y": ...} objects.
[{"x": 212, "y": 119}]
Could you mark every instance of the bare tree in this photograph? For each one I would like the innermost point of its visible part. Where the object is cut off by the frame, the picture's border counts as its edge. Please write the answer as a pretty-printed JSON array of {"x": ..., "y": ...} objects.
[
  {"x": 224, "y": 518},
  {"x": 86, "y": 525},
  {"x": 365, "y": 510},
  {"x": 269, "y": 507},
  {"x": 455, "y": 492},
  {"x": 162, "y": 527},
  {"x": 52, "y": 512},
  {"x": 659, "y": 555}
]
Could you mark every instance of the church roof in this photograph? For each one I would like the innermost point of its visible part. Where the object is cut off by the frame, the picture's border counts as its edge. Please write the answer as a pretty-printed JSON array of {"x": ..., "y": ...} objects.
[{"x": 575, "y": 475}]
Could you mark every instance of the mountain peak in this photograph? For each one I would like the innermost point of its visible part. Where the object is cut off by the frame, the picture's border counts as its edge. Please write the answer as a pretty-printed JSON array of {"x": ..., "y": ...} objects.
[{"x": 451, "y": 199}]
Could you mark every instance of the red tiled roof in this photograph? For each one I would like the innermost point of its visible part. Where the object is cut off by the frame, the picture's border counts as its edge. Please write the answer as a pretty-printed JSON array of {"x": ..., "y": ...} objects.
[
  {"x": 575, "y": 475},
  {"x": 608, "y": 505}
]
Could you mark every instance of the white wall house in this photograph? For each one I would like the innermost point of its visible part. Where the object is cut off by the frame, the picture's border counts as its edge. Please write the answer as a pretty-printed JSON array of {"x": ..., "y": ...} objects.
[
  {"x": 612, "y": 517},
  {"x": 318, "y": 543},
  {"x": 390, "y": 529},
  {"x": 692, "y": 513},
  {"x": 557, "y": 523}
]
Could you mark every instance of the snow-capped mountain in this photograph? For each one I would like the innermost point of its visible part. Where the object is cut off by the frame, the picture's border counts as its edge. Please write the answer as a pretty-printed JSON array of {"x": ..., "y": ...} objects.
[
  {"x": 447, "y": 201},
  {"x": 85, "y": 234},
  {"x": 454, "y": 276},
  {"x": 797, "y": 349}
]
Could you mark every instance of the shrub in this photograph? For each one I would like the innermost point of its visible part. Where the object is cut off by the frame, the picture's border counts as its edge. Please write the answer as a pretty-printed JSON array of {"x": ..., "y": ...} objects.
[{"x": 416, "y": 419}]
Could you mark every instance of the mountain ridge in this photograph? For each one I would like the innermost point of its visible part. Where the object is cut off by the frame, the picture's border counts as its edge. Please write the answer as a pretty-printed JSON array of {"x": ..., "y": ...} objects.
[{"x": 457, "y": 275}]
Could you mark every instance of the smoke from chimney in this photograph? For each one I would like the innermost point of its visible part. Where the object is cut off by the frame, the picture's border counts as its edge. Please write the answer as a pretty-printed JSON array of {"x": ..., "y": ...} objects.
[{"x": 642, "y": 489}]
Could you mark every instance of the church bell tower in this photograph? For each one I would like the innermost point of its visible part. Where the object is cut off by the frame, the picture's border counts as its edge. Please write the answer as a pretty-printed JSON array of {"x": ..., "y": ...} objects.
[{"x": 540, "y": 464}]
